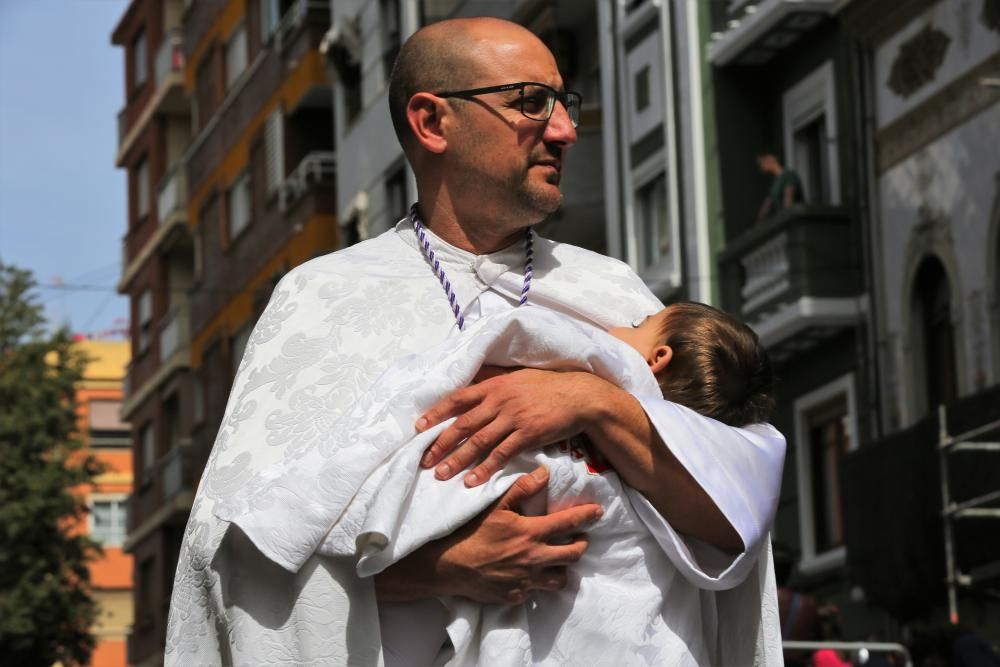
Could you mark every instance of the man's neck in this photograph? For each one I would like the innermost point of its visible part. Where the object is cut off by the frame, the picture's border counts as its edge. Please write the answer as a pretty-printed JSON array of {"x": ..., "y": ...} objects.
[{"x": 465, "y": 232}]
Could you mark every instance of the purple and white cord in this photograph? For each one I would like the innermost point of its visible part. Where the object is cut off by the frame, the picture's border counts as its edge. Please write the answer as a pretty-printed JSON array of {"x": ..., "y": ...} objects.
[{"x": 425, "y": 247}]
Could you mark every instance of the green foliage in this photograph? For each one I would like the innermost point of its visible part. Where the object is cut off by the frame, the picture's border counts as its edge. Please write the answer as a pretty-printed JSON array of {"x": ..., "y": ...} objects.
[{"x": 46, "y": 607}]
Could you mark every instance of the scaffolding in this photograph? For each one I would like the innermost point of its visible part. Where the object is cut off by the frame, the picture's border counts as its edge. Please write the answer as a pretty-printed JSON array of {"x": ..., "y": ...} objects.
[{"x": 981, "y": 507}]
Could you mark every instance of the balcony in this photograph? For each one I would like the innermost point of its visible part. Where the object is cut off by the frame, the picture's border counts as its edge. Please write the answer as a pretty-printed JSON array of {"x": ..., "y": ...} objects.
[
  {"x": 797, "y": 275},
  {"x": 168, "y": 95},
  {"x": 174, "y": 356},
  {"x": 756, "y": 31},
  {"x": 173, "y": 333},
  {"x": 171, "y": 207},
  {"x": 177, "y": 473},
  {"x": 174, "y": 479},
  {"x": 171, "y": 200},
  {"x": 317, "y": 169}
]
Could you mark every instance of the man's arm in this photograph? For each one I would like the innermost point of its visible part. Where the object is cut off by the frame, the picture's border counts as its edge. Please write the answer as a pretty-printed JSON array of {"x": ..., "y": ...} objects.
[
  {"x": 528, "y": 409},
  {"x": 790, "y": 194},
  {"x": 499, "y": 557},
  {"x": 765, "y": 207}
]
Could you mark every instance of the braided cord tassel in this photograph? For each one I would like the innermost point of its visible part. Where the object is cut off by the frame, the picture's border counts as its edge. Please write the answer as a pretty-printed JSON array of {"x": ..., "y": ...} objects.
[
  {"x": 435, "y": 264},
  {"x": 529, "y": 258}
]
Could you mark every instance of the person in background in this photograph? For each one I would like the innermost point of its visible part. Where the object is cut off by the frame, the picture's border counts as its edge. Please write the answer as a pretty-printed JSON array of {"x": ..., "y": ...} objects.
[{"x": 786, "y": 188}]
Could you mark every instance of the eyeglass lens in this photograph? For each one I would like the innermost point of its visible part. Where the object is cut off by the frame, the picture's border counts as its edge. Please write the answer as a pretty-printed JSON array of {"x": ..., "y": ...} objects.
[{"x": 538, "y": 102}]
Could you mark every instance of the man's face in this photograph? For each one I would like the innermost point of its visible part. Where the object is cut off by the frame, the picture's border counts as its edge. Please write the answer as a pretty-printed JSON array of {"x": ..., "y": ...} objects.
[{"x": 502, "y": 159}]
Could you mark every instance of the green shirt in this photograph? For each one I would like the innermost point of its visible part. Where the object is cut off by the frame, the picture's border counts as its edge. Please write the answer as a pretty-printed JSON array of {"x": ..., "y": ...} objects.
[{"x": 777, "y": 194}]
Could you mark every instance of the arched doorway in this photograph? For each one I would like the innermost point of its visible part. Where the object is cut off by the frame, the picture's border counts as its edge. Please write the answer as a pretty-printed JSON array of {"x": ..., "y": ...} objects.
[{"x": 932, "y": 321}]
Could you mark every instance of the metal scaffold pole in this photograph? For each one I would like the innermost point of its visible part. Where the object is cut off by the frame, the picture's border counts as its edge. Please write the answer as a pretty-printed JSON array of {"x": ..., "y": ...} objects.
[{"x": 977, "y": 507}]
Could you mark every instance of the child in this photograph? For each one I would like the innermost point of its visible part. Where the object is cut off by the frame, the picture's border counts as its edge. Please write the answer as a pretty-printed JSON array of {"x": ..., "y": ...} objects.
[
  {"x": 702, "y": 359},
  {"x": 706, "y": 360}
]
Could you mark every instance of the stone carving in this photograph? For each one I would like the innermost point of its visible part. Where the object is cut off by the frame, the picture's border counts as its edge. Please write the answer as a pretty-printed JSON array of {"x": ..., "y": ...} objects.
[{"x": 917, "y": 61}]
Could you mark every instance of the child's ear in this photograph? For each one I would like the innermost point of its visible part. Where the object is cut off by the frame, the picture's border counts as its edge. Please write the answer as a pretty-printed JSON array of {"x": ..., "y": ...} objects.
[{"x": 659, "y": 358}]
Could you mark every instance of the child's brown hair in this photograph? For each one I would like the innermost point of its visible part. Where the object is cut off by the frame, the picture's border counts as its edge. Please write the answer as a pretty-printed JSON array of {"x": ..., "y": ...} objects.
[{"x": 719, "y": 368}]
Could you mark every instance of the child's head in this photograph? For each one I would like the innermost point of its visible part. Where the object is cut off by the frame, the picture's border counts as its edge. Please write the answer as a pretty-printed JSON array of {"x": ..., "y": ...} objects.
[{"x": 706, "y": 360}]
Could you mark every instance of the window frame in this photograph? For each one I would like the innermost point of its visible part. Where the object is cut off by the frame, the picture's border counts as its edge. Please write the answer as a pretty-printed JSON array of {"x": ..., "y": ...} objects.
[
  {"x": 813, "y": 96},
  {"x": 140, "y": 60},
  {"x": 143, "y": 193},
  {"x": 811, "y": 560},
  {"x": 231, "y": 76},
  {"x": 119, "y": 504}
]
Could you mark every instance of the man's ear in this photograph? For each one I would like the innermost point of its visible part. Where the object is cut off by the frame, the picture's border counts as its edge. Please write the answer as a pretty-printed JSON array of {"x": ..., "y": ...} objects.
[
  {"x": 426, "y": 113},
  {"x": 659, "y": 358}
]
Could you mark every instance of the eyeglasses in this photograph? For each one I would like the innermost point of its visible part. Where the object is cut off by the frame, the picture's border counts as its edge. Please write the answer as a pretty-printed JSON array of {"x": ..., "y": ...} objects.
[{"x": 536, "y": 100}]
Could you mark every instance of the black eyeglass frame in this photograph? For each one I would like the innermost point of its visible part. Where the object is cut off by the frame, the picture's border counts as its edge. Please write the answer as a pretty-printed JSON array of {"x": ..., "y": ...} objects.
[{"x": 556, "y": 96}]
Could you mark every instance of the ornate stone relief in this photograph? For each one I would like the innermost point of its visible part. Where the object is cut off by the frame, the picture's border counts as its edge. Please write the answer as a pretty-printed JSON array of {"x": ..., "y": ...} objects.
[{"x": 917, "y": 61}]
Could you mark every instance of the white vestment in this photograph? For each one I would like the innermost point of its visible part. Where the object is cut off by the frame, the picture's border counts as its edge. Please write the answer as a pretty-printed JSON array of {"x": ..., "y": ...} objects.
[{"x": 284, "y": 595}]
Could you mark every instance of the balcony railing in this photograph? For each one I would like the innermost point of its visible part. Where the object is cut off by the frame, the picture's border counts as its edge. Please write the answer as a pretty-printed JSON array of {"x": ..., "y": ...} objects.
[
  {"x": 172, "y": 197},
  {"x": 801, "y": 264},
  {"x": 169, "y": 57},
  {"x": 315, "y": 168},
  {"x": 173, "y": 332}
]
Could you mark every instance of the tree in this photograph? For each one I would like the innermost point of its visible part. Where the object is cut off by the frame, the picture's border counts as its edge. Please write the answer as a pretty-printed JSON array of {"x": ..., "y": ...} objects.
[{"x": 46, "y": 606}]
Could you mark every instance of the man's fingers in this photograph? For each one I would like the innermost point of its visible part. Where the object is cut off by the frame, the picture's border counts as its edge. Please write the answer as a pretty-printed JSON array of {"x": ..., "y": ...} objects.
[
  {"x": 568, "y": 521},
  {"x": 566, "y": 554},
  {"x": 551, "y": 578},
  {"x": 524, "y": 488},
  {"x": 454, "y": 403},
  {"x": 449, "y": 440},
  {"x": 483, "y": 439},
  {"x": 499, "y": 456}
]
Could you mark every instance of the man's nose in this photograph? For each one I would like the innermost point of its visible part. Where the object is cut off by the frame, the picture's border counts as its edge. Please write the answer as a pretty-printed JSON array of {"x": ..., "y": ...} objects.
[{"x": 559, "y": 129}]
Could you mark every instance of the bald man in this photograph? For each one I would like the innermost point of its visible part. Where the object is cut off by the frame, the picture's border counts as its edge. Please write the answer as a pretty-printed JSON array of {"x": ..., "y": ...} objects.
[{"x": 265, "y": 574}]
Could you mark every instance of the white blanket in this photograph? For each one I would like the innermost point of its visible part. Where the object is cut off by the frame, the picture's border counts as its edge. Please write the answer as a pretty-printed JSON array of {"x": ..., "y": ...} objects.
[
  {"x": 333, "y": 326},
  {"x": 625, "y": 604}
]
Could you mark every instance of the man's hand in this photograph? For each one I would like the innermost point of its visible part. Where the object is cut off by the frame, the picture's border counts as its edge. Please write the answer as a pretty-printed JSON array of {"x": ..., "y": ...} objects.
[
  {"x": 499, "y": 557},
  {"x": 505, "y": 413}
]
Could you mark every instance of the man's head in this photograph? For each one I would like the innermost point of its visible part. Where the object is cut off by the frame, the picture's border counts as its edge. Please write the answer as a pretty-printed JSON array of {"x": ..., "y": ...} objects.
[
  {"x": 706, "y": 360},
  {"x": 480, "y": 151},
  {"x": 769, "y": 163}
]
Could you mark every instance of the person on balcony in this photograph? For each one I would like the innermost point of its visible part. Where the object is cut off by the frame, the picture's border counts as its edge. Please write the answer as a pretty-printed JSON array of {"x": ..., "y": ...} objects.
[{"x": 786, "y": 188}]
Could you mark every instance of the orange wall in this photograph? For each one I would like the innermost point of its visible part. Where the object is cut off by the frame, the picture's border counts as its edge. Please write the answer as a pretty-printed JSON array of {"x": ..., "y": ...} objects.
[{"x": 113, "y": 570}]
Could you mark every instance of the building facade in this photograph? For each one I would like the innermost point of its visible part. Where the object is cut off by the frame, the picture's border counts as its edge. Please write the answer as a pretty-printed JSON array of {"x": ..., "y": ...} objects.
[
  {"x": 873, "y": 296},
  {"x": 229, "y": 124},
  {"x": 99, "y": 399}
]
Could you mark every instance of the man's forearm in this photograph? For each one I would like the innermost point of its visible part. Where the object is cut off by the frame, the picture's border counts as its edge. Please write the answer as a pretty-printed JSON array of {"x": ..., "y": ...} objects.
[{"x": 621, "y": 430}]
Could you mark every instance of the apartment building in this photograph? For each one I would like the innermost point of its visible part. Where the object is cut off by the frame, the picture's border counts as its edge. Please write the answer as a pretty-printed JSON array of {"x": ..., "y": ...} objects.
[
  {"x": 874, "y": 295},
  {"x": 99, "y": 399},
  {"x": 229, "y": 124},
  {"x": 154, "y": 131}
]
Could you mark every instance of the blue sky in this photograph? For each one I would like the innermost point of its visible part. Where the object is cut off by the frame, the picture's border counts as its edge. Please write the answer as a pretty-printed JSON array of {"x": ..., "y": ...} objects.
[{"x": 62, "y": 201}]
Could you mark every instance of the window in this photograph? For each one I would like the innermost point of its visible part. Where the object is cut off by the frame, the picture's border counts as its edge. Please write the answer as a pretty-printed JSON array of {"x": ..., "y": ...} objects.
[
  {"x": 145, "y": 319},
  {"x": 810, "y": 134},
  {"x": 109, "y": 521},
  {"x": 395, "y": 196},
  {"x": 141, "y": 174},
  {"x": 238, "y": 205},
  {"x": 205, "y": 84},
  {"x": 825, "y": 431},
  {"x": 389, "y": 10},
  {"x": 269, "y": 17},
  {"x": 274, "y": 150},
  {"x": 652, "y": 221},
  {"x": 106, "y": 428},
  {"x": 642, "y": 89},
  {"x": 139, "y": 66},
  {"x": 236, "y": 55},
  {"x": 147, "y": 447},
  {"x": 932, "y": 302},
  {"x": 647, "y": 108}
]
